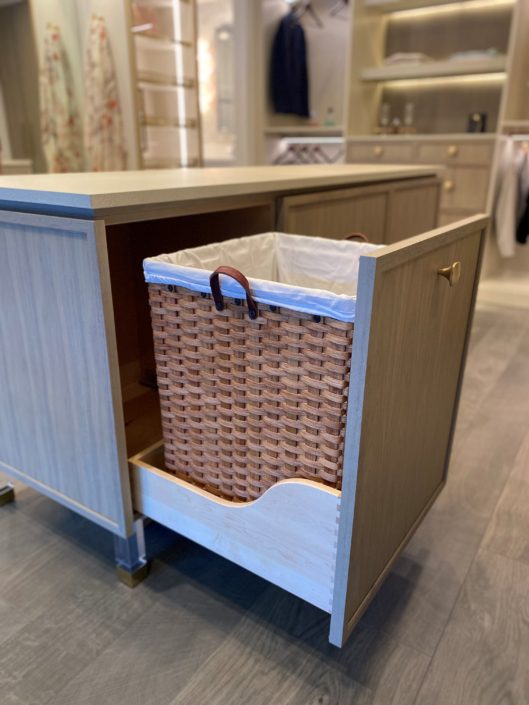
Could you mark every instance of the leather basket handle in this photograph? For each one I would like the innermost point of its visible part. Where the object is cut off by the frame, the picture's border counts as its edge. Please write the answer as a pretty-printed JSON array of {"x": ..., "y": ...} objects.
[
  {"x": 214, "y": 281},
  {"x": 356, "y": 236}
]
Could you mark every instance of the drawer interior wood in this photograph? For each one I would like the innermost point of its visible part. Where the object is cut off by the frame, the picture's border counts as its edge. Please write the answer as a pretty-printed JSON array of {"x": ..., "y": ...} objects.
[{"x": 287, "y": 536}]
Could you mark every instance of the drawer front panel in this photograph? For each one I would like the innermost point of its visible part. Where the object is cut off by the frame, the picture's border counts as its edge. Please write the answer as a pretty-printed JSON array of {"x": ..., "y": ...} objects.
[
  {"x": 455, "y": 153},
  {"x": 287, "y": 536},
  {"x": 415, "y": 303},
  {"x": 465, "y": 188},
  {"x": 381, "y": 152}
]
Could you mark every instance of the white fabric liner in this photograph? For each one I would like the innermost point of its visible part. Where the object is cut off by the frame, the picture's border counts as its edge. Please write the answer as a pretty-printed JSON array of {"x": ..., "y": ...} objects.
[{"x": 308, "y": 274}]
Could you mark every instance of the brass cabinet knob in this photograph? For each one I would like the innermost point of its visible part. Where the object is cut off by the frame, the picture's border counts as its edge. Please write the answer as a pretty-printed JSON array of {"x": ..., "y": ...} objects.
[
  {"x": 449, "y": 185},
  {"x": 453, "y": 150},
  {"x": 452, "y": 273},
  {"x": 378, "y": 151}
]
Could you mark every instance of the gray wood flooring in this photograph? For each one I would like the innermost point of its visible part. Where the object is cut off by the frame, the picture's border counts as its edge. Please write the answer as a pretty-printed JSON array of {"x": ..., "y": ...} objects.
[{"x": 450, "y": 625}]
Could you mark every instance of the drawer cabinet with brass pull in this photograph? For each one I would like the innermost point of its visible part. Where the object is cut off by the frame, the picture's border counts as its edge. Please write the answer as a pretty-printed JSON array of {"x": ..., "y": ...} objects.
[
  {"x": 455, "y": 153},
  {"x": 465, "y": 187},
  {"x": 382, "y": 151}
]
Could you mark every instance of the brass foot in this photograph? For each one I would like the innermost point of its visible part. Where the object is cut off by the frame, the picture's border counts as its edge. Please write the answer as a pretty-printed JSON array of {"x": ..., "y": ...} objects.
[
  {"x": 7, "y": 495},
  {"x": 133, "y": 579}
]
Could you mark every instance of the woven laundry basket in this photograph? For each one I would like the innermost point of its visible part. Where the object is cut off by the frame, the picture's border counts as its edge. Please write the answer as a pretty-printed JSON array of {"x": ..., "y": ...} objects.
[{"x": 253, "y": 392}]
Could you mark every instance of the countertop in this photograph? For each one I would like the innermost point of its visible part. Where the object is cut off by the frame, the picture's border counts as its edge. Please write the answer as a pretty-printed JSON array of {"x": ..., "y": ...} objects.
[{"x": 97, "y": 194}]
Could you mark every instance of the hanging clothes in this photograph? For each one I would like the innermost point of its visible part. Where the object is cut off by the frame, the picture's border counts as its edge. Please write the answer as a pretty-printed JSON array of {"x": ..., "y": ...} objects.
[
  {"x": 522, "y": 231},
  {"x": 289, "y": 80},
  {"x": 510, "y": 217},
  {"x": 62, "y": 135},
  {"x": 104, "y": 139}
]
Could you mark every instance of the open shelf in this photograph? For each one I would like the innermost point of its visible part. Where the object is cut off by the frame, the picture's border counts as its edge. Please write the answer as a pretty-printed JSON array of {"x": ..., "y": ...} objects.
[
  {"x": 305, "y": 131},
  {"x": 515, "y": 126},
  {"x": 435, "y": 69},
  {"x": 397, "y": 5},
  {"x": 157, "y": 43}
]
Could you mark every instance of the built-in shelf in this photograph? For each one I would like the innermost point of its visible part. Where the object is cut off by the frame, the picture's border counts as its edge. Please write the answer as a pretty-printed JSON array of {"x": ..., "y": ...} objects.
[
  {"x": 515, "y": 126},
  {"x": 396, "y": 5},
  {"x": 169, "y": 4},
  {"x": 151, "y": 121},
  {"x": 305, "y": 131},
  {"x": 169, "y": 163},
  {"x": 149, "y": 41},
  {"x": 430, "y": 137},
  {"x": 157, "y": 79},
  {"x": 435, "y": 69}
]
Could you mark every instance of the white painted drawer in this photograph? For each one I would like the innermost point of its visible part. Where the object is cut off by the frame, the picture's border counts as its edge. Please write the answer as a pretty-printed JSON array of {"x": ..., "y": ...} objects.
[
  {"x": 287, "y": 536},
  {"x": 381, "y": 152},
  {"x": 454, "y": 153}
]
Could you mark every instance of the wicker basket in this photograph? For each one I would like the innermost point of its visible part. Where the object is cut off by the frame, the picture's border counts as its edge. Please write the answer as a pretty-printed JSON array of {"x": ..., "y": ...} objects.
[{"x": 246, "y": 403}]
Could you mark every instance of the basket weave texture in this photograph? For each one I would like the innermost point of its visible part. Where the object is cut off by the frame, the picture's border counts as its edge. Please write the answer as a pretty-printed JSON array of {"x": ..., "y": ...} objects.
[{"x": 248, "y": 403}]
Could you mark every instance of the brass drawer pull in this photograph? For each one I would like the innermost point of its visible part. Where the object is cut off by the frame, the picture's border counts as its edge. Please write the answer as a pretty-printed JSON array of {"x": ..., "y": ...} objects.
[
  {"x": 449, "y": 185},
  {"x": 452, "y": 273},
  {"x": 453, "y": 150},
  {"x": 378, "y": 151}
]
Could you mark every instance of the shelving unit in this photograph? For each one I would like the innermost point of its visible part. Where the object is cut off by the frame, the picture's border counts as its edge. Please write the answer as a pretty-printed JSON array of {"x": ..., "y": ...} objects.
[
  {"x": 163, "y": 49},
  {"x": 434, "y": 69},
  {"x": 450, "y": 85}
]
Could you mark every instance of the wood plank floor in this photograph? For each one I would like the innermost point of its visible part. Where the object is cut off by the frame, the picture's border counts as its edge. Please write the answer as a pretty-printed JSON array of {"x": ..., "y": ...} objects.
[{"x": 449, "y": 626}]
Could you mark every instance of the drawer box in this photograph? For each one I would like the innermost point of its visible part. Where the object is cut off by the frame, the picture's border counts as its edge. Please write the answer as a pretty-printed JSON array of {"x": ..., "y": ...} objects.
[
  {"x": 381, "y": 152},
  {"x": 287, "y": 536},
  {"x": 454, "y": 153},
  {"x": 465, "y": 188}
]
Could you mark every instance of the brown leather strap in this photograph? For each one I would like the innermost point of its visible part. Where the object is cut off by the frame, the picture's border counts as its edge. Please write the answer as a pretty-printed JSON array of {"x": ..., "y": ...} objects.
[
  {"x": 214, "y": 281},
  {"x": 356, "y": 236}
]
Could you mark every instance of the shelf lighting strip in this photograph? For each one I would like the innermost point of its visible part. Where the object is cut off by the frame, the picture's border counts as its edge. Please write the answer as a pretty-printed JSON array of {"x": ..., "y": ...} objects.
[
  {"x": 426, "y": 82},
  {"x": 454, "y": 7}
]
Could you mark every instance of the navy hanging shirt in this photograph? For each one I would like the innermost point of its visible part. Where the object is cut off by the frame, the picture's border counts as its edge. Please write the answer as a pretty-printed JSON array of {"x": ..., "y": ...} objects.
[{"x": 289, "y": 81}]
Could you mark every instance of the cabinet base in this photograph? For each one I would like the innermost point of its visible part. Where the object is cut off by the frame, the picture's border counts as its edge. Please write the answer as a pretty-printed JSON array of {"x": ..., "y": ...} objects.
[
  {"x": 131, "y": 561},
  {"x": 7, "y": 494},
  {"x": 134, "y": 578}
]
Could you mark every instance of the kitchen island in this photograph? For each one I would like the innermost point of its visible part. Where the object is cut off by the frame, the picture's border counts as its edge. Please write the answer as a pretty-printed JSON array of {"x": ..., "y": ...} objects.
[{"x": 78, "y": 393}]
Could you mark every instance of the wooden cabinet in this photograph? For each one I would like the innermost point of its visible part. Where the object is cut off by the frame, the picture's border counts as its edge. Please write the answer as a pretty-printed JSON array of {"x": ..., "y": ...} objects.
[
  {"x": 336, "y": 213},
  {"x": 385, "y": 213},
  {"x": 76, "y": 344},
  {"x": 454, "y": 151},
  {"x": 381, "y": 151},
  {"x": 465, "y": 166}
]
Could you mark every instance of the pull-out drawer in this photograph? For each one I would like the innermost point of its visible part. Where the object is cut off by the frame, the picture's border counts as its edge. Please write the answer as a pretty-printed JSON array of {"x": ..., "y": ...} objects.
[
  {"x": 455, "y": 153},
  {"x": 334, "y": 548},
  {"x": 287, "y": 536},
  {"x": 381, "y": 151}
]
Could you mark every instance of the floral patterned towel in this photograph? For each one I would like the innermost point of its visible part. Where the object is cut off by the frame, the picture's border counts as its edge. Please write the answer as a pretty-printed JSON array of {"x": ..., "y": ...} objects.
[
  {"x": 104, "y": 140},
  {"x": 62, "y": 137}
]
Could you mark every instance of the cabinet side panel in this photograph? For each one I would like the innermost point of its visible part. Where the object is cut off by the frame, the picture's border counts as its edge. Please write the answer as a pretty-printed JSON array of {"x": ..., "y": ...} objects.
[{"x": 61, "y": 424}]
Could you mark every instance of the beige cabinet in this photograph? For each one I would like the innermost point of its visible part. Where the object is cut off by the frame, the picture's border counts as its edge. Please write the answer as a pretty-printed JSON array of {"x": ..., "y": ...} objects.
[
  {"x": 465, "y": 166},
  {"x": 385, "y": 213}
]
